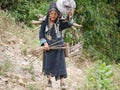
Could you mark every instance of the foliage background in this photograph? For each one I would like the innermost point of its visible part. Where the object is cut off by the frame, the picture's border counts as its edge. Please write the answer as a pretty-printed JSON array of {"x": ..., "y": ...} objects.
[
  {"x": 100, "y": 20},
  {"x": 101, "y": 26},
  {"x": 100, "y": 35}
]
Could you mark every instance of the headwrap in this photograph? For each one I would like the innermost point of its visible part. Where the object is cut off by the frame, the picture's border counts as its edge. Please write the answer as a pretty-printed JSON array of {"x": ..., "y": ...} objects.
[{"x": 54, "y": 7}]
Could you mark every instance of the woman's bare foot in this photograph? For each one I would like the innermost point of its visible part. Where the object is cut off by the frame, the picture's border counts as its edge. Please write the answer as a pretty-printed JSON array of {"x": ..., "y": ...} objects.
[
  {"x": 49, "y": 84},
  {"x": 62, "y": 84}
]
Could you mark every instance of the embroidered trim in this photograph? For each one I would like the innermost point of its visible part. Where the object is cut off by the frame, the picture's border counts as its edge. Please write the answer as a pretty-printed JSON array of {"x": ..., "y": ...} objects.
[{"x": 42, "y": 41}]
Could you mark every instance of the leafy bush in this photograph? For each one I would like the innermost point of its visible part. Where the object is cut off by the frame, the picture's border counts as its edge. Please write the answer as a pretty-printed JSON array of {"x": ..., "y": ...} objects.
[
  {"x": 100, "y": 26},
  {"x": 25, "y": 10},
  {"x": 71, "y": 37},
  {"x": 95, "y": 55},
  {"x": 100, "y": 78}
]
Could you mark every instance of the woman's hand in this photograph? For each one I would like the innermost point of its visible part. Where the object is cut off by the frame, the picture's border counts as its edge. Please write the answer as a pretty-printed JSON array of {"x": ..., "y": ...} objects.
[
  {"x": 46, "y": 46},
  {"x": 71, "y": 12}
]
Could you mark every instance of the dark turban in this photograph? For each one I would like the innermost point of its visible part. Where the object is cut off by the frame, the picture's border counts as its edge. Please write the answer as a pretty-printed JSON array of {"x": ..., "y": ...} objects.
[{"x": 53, "y": 7}]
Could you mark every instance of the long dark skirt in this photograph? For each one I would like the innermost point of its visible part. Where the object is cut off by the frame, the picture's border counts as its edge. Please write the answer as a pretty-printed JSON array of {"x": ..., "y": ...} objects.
[{"x": 54, "y": 64}]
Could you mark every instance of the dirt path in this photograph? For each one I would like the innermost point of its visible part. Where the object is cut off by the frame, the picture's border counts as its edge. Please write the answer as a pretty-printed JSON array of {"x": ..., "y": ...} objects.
[{"x": 23, "y": 72}]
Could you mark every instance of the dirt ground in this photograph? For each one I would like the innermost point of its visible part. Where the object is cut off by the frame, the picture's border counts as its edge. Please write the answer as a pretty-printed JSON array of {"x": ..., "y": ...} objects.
[{"x": 20, "y": 70}]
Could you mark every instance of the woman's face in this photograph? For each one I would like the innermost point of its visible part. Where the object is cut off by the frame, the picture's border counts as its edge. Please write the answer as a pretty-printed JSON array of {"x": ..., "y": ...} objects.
[{"x": 53, "y": 15}]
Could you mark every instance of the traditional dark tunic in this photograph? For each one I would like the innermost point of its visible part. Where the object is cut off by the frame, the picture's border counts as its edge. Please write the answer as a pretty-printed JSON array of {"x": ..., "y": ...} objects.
[{"x": 54, "y": 60}]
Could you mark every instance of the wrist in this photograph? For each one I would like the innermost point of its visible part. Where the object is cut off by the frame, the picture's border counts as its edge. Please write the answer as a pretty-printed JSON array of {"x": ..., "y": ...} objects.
[{"x": 45, "y": 43}]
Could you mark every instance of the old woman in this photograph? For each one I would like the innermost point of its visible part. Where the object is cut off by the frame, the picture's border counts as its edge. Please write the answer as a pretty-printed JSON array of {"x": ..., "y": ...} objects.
[{"x": 51, "y": 35}]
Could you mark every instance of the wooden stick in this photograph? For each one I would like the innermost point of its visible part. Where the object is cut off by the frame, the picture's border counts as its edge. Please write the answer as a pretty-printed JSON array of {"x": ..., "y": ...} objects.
[
  {"x": 36, "y": 22},
  {"x": 42, "y": 17},
  {"x": 40, "y": 21},
  {"x": 77, "y": 25},
  {"x": 37, "y": 27},
  {"x": 55, "y": 48}
]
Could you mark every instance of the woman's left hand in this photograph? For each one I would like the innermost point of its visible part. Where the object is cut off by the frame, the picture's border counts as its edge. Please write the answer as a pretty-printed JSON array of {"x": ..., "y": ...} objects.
[{"x": 71, "y": 12}]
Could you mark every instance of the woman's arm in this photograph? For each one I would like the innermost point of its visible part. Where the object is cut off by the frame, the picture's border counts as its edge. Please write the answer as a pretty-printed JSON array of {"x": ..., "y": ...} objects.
[
  {"x": 43, "y": 41},
  {"x": 68, "y": 22},
  {"x": 42, "y": 34},
  {"x": 65, "y": 24}
]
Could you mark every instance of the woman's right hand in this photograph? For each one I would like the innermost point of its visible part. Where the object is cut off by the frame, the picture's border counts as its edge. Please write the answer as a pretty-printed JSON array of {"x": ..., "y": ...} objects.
[{"x": 46, "y": 46}]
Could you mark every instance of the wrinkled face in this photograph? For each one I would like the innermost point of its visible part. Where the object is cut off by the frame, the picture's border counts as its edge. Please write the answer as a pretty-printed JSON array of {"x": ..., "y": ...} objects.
[{"x": 53, "y": 15}]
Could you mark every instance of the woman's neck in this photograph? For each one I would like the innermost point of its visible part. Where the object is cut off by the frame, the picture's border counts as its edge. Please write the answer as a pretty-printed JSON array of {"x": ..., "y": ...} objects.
[{"x": 51, "y": 24}]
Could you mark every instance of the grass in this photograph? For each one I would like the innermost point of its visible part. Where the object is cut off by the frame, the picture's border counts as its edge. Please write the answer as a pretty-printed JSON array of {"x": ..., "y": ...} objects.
[
  {"x": 116, "y": 77},
  {"x": 32, "y": 87},
  {"x": 30, "y": 69},
  {"x": 8, "y": 24},
  {"x": 5, "y": 66}
]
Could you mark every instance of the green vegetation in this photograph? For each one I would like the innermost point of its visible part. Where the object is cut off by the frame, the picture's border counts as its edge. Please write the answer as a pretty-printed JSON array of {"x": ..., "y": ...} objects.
[
  {"x": 31, "y": 87},
  {"x": 30, "y": 69},
  {"x": 100, "y": 35},
  {"x": 100, "y": 78},
  {"x": 101, "y": 29},
  {"x": 25, "y": 10},
  {"x": 100, "y": 20},
  {"x": 5, "y": 66}
]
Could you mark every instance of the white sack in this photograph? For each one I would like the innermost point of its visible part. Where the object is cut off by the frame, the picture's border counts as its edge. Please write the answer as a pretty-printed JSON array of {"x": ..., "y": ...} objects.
[{"x": 64, "y": 5}]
